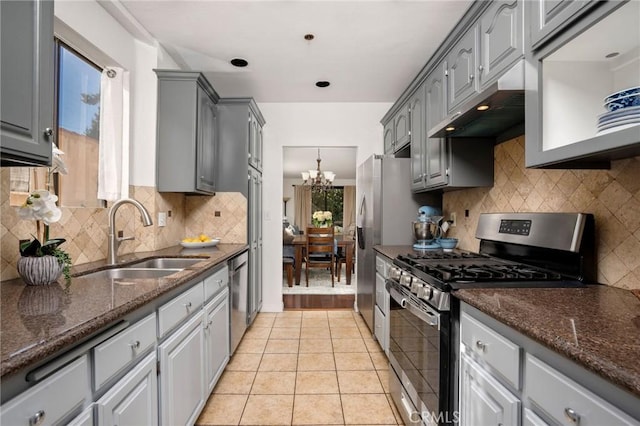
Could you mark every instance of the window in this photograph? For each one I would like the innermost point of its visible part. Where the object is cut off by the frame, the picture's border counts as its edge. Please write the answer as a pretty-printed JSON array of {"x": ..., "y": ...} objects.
[
  {"x": 77, "y": 135},
  {"x": 330, "y": 200}
]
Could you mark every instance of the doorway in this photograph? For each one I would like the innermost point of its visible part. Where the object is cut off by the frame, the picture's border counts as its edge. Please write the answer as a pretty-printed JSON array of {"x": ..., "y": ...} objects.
[{"x": 299, "y": 204}]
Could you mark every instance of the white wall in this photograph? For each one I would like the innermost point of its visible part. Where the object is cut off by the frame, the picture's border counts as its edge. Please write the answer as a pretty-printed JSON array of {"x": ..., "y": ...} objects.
[
  {"x": 86, "y": 26},
  {"x": 306, "y": 124}
]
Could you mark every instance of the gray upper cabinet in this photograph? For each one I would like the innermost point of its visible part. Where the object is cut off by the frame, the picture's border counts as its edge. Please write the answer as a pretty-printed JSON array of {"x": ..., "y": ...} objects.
[
  {"x": 255, "y": 141},
  {"x": 436, "y": 102},
  {"x": 501, "y": 39},
  {"x": 436, "y": 162},
  {"x": 416, "y": 106},
  {"x": 388, "y": 137},
  {"x": 402, "y": 128},
  {"x": 187, "y": 133},
  {"x": 27, "y": 74},
  {"x": 567, "y": 80},
  {"x": 547, "y": 17},
  {"x": 461, "y": 70}
]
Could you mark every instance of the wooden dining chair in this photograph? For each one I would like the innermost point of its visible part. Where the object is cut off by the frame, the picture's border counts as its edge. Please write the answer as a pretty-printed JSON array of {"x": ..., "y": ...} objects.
[
  {"x": 320, "y": 251},
  {"x": 342, "y": 258}
]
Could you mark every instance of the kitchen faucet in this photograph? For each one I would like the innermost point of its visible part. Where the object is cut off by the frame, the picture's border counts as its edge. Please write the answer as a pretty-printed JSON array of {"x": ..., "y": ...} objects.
[{"x": 114, "y": 241}]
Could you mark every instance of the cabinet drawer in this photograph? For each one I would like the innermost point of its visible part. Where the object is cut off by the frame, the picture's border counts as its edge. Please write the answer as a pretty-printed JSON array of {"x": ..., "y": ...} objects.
[
  {"x": 492, "y": 348},
  {"x": 113, "y": 355},
  {"x": 53, "y": 399},
  {"x": 214, "y": 283},
  {"x": 382, "y": 297},
  {"x": 172, "y": 313},
  {"x": 381, "y": 266},
  {"x": 563, "y": 399}
]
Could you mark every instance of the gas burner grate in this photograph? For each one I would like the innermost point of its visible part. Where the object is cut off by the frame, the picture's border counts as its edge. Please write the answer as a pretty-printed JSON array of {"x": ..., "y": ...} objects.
[{"x": 477, "y": 272}]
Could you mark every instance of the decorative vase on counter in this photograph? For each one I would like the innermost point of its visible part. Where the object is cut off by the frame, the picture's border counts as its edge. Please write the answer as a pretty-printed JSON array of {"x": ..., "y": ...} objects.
[{"x": 39, "y": 270}]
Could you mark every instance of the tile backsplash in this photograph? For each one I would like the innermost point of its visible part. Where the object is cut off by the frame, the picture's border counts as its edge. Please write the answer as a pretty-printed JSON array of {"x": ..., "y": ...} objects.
[
  {"x": 86, "y": 229},
  {"x": 613, "y": 196}
]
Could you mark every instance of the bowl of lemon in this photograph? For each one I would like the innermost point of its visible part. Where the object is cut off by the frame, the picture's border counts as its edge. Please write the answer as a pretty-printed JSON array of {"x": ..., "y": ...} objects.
[{"x": 201, "y": 241}]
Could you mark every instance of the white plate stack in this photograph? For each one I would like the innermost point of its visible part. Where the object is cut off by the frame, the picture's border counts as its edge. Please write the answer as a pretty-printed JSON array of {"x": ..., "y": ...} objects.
[{"x": 623, "y": 111}]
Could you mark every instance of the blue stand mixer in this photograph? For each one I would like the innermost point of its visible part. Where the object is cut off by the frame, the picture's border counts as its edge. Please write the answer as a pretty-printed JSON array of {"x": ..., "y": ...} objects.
[{"x": 427, "y": 228}]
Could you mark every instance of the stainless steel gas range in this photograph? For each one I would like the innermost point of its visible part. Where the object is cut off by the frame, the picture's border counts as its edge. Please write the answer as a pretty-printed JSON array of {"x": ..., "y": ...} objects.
[{"x": 516, "y": 250}]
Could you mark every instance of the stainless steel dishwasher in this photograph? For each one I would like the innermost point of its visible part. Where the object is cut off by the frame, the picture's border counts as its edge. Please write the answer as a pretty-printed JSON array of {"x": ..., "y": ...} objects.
[{"x": 238, "y": 282}]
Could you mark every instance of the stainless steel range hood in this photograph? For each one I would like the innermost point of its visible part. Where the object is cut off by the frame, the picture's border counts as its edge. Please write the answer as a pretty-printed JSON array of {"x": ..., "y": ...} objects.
[{"x": 505, "y": 99}]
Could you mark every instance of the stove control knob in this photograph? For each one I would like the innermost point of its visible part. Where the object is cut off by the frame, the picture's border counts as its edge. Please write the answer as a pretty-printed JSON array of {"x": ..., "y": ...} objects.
[
  {"x": 416, "y": 286},
  {"x": 394, "y": 274},
  {"x": 426, "y": 293},
  {"x": 405, "y": 280}
]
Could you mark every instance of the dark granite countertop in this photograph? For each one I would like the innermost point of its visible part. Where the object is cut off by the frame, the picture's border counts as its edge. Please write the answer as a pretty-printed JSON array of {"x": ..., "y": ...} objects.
[
  {"x": 598, "y": 327},
  {"x": 39, "y": 321}
]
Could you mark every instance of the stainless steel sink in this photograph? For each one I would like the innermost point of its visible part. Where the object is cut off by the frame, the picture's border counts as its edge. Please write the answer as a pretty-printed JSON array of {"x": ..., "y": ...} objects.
[
  {"x": 132, "y": 273},
  {"x": 167, "y": 263}
]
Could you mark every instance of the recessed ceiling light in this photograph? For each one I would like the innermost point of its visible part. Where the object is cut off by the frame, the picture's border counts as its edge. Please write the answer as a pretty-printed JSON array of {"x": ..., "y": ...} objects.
[
  {"x": 309, "y": 37},
  {"x": 612, "y": 55},
  {"x": 482, "y": 107},
  {"x": 450, "y": 129},
  {"x": 322, "y": 83},
  {"x": 239, "y": 62}
]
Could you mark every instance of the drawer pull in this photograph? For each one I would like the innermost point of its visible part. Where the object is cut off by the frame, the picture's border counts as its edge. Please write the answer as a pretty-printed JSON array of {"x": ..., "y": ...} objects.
[
  {"x": 37, "y": 418},
  {"x": 572, "y": 415},
  {"x": 187, "y": 305},
  {"x": 135, "y": 345},
  {"x": 206, "y": 327},
  {"x": 481, "y": 345}
]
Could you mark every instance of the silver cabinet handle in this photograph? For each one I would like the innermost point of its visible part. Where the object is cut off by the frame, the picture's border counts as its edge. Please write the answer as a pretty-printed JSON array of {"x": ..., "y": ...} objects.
[
  {"x": 480, "y": 68},
  {"x": 37, "y": 418},
  {"x": 135, "y": 345},
  {"x": 187, "y": 305},
  {"x": 48, "y": 132},
  {"x": 481, "y": 345},
  {"x": 206, "y": 327},
  {"x": 470, "y": 76},
  {"x": 572, "y": 415}
]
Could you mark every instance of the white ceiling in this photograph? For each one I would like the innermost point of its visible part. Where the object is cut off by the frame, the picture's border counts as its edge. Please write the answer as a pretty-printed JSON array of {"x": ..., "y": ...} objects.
[
  {"x": 368, "y": 49},
  {"x": 339, "y": 160}
]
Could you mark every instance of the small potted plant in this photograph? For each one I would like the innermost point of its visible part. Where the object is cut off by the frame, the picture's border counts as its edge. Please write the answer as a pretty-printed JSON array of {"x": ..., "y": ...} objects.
[{"x": 43, "y": 262}]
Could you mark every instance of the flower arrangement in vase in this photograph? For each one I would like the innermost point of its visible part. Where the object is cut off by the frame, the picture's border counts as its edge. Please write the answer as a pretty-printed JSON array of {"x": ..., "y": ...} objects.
[
  {"x": 322, "y": 219},
  {"x": 43, "y": 262}
]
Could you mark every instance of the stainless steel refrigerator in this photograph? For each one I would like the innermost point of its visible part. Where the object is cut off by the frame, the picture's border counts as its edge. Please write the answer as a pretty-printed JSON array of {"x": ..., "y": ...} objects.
[{"x": 384, "y": 212}]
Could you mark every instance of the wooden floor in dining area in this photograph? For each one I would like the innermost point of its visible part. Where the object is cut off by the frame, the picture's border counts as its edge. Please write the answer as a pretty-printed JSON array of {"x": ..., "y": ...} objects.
[
  {"x": 318, "y": 301},
  {"x": 304, "y": 368}
]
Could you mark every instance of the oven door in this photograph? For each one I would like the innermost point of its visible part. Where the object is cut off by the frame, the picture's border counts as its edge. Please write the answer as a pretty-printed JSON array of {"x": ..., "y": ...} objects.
[{"x": 419, "y": 355}]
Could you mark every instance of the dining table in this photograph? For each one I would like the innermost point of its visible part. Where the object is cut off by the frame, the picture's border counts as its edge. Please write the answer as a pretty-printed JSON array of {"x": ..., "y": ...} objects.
[{"x": 346, "y": 242}]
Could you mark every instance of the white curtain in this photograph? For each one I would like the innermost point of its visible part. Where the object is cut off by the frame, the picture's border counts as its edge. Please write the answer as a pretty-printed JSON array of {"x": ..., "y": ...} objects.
[
  {"x": 349, "y": 208},
  {"x": 303, "y": 206},
  {"x": 113, "y": 171}
]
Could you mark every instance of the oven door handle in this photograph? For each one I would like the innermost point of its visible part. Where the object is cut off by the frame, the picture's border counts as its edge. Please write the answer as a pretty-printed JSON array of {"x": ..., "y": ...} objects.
[
  {"x": 430, "y": 318},
  {"x": 398, "y": 297}
]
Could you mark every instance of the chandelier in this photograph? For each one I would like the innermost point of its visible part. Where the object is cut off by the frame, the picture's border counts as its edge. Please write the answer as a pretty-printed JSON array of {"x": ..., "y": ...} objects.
[{"x": 317, "y": 179}]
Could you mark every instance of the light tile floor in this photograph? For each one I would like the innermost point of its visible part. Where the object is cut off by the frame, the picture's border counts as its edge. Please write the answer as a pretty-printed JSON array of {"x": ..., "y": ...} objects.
[{"x": 304, "y": 368}]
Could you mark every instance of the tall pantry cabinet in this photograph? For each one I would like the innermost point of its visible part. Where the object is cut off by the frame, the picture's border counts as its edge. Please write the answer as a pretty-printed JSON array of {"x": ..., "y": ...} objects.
[{"x": 240, "y": 170}]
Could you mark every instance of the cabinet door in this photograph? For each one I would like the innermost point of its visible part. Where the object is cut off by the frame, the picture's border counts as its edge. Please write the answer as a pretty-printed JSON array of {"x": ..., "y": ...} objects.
[
  {"x": 461, "y": 69},
  {"x": 416, "y": 108},
  {"x": 547, "y": 17},
  {"x": 501, "y": 39},
  {"x": 401, "y": 128},
  {"x": 484, "y": 401},
  {"x": 435, "y": 96},
  {"x": 207, "y": 139},
  {"x": 259, "y": 147},
  {"x": 253, "y": 141},
  {"x": 380, "y": 328},
  {"x": 388, "y": 138},
  {"x": 216, "y": 335},
  {"x": 258, "y": 272},
  {"x": 26, "y": 73},
  {"x": 436, "y": 151},
  {"x": 255, "y": 227},
  {"x": 182, "y": 374},
  {"x": 134, "y": 399}
]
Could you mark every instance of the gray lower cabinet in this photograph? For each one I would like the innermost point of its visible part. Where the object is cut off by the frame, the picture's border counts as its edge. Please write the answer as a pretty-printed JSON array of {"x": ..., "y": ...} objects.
[
  {"x": 239, "y": 170},
  {"x": 27, "y": 75},
  {"x": 134, "y": 399},
  {"x": 187, "y": 133},
  {"x": 182, "y": 378},
  {"x": 483, "y": 400},
  {"x": 504, "y": 376},
  {"x": 382, "y": 302},
  {"x": 216, "y": 337}
]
